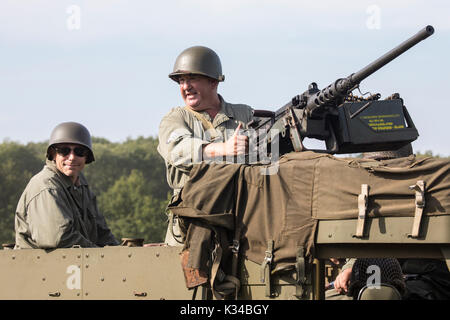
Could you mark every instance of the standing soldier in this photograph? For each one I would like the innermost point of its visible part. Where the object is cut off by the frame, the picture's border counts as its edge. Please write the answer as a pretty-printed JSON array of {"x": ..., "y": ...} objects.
[
  {"x": 206, "y": 128},
  {"x": 57, "y": 209}
]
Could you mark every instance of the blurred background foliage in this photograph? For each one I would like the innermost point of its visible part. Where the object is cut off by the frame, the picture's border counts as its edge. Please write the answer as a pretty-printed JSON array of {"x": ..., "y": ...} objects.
[{"x": 128, "y": 178}]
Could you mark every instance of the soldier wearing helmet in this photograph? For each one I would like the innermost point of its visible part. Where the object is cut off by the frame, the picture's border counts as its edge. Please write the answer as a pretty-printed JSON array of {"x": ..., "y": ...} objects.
[
  {"x": 206, "y": 127},
  {"x": 57, "y": 209},
  {"x": 424, "y": 278}
]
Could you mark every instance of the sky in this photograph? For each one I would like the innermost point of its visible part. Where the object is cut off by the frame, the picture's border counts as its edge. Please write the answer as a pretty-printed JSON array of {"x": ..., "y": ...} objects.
[{"x": 105, "y": 63}]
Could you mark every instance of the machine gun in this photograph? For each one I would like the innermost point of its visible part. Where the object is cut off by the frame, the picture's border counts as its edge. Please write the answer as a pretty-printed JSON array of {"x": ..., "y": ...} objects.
[{"x": 347, "y": 123}]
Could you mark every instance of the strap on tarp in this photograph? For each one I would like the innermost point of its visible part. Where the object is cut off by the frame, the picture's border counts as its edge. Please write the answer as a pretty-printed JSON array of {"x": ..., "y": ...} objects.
[
  {"x": 235, "y": 258},
  {"x": 226, "y": 285},
  {"x": 266, "y": 268},
  {"x": 207, "y": 125},
  {"x": 174, "y": 225},
  {"x": 301, "y": 272},
  {"x": 222, "y": 284},
  {"x": 363, "y": 200},
  {"x": 419, "y": 189}
]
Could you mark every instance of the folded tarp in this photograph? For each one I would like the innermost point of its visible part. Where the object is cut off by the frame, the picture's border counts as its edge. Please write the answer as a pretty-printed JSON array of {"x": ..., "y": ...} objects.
[{"x": 256, "y": 207}]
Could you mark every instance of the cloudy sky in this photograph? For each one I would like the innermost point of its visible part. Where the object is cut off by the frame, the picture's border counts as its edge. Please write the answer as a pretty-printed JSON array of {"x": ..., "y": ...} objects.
[{"x": 104, "y": 63}]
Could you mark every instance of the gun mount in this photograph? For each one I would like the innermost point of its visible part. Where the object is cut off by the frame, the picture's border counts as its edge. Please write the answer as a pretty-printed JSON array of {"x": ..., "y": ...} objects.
[{"x": 333, "y": 115}]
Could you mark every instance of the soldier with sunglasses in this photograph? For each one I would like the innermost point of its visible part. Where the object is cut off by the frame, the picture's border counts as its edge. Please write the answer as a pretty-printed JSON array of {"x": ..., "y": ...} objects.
[{"x": 57, "y": 209}]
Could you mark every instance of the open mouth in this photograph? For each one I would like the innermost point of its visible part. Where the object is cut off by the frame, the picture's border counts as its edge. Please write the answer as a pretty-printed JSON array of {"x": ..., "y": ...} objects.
[{"x": 190, "y": 93}]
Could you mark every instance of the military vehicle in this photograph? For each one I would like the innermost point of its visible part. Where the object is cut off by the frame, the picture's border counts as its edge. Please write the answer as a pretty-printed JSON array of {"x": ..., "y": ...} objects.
[{"x": 155, "y": 271}]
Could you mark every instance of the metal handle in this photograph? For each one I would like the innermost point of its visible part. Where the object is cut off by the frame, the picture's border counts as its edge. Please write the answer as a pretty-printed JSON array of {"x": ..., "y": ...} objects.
[
  {"x": 140, "y": 294},
  {"x": 54, "y": 294}
]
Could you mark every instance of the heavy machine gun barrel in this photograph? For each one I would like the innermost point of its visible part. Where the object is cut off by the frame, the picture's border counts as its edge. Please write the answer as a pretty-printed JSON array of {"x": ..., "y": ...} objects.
[
  {"x": 341, "y": 87},
  {"x": 391, "y": 55}
]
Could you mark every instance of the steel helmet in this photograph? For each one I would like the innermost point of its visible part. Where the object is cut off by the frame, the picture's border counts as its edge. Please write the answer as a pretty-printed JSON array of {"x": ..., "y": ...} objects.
[
  {"x": 71, "y": 132},
  {"x": 198, "y": 60}
]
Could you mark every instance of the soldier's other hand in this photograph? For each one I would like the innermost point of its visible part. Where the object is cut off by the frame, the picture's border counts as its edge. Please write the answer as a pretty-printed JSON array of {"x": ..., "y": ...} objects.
[
  {"x": 342, "y": 281},
  {"x": 335, "y": 261}
]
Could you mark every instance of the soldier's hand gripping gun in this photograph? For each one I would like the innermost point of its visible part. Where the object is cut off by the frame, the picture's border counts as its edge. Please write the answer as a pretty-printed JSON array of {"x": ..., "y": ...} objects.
[{"x": 346, "y": 123}]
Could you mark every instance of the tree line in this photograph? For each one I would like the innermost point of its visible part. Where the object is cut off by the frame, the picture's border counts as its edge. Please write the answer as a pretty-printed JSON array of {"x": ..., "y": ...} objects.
[{"x": 128, "y": 178}]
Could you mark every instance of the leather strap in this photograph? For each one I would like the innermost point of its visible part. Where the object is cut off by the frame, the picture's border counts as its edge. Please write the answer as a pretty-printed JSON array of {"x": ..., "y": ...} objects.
[
  {"x": 363, "y": 200},
  {"x": 419, "y": 189},
  {"x": 207, "y": 125}
]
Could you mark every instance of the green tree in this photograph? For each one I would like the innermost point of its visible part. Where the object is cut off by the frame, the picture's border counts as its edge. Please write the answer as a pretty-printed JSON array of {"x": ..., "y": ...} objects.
[
  {"x": 132, "y": 211},
  {"x": 114, "y": 160},
  {"x": 18, "y": 164}
]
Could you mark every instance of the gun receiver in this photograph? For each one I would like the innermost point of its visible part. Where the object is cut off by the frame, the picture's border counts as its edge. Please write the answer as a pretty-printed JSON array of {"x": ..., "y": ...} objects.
[{"x": 334, "y": 115}]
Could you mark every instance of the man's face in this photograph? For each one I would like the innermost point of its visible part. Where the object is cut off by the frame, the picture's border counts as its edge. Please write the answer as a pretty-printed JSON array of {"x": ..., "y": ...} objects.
[
  {"x": 70, "y": 159},
  {"x": 197, "y": 91}
]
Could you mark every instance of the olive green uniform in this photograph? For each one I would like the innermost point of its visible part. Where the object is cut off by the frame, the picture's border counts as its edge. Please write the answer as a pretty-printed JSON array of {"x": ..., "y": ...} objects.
[
  {"x": 182, "y": 137},
  {"x": 54, "y": 213}
]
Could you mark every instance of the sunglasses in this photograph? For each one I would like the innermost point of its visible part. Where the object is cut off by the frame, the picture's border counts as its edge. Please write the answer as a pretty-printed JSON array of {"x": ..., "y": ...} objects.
[{"x": 78, "y": 151}]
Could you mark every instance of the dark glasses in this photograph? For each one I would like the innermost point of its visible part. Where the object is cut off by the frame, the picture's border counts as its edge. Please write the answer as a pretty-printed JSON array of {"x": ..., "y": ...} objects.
[{"x": 78, "y": 151}]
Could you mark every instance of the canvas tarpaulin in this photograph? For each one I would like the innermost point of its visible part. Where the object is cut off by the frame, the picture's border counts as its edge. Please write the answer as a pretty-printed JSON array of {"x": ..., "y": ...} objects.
[{"x": 285, "y": 207}]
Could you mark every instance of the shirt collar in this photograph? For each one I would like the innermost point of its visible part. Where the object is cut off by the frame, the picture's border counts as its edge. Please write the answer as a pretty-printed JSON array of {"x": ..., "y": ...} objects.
[
  {"x": 225, "y": 113},
  {"x": 65, "y": 179},
  {"x": 225, "y": 108}
]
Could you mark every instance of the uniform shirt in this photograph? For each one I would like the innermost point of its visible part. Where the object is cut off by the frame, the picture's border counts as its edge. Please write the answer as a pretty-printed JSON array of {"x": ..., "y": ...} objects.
[
  {"x": 54, "y": 213},
  {"x": 182, "y": 137}
]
